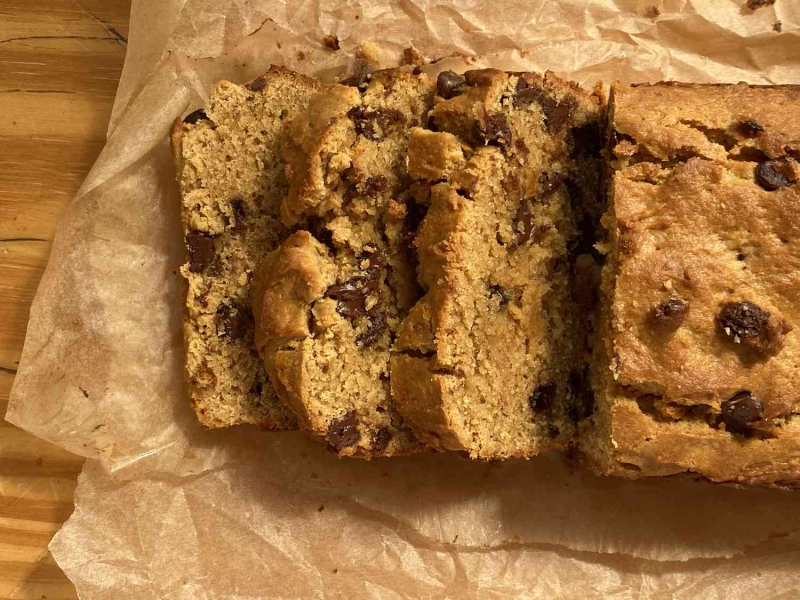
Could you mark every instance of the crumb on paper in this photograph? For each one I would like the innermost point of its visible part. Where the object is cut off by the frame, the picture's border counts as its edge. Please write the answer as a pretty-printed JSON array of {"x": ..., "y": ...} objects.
[
  {"x": 412, "y": 57},
  {"x": 652, "y": 12},
  {"x": 331, "y": 41},
  {"x": 778, "y": 27},
  {"x": 756, "y": 4},
  {"x": 369, "y": 52}
]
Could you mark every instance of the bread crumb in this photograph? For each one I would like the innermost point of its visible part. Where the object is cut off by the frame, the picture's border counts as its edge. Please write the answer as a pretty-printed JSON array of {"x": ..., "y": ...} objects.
[
  {"x": 756, "y": 4},
  {"x": 652, "y": 12},
  {"x": 412, "y": 57},
  {"x": 301, "y": 55},
  {"x": 331, "y": 41},
  {"x": 778, "y": 27},
  {"x": 369, "y": 52}
]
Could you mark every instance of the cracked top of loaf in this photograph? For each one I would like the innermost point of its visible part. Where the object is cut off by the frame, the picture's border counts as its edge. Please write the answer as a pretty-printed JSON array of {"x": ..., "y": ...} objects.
[{"x": 703, "y": 280}]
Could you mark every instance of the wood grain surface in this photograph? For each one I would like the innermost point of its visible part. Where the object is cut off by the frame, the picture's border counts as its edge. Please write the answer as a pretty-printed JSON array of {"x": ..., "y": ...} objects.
[{"x": 60, "y": 62}]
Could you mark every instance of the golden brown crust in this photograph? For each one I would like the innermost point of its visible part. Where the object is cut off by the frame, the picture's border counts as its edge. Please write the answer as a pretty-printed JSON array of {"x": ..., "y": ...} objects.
[{"x": 698, "y": 370}]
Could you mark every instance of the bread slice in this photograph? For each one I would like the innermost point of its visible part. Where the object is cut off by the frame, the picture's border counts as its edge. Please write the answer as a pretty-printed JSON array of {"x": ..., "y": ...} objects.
[
  {"x": 330, "y": 300},
  {"x": 492, "y": 360},
  {"x": 232, "y": 183}
]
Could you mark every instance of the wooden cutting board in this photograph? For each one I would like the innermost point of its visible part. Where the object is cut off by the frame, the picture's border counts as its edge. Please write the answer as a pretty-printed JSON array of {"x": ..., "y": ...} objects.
[{"x": 60, "y": 62}]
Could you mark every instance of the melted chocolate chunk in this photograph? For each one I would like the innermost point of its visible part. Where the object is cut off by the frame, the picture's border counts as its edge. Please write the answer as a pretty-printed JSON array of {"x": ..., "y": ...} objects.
[
  {"x": 233, "y": 322},
  {"x": 771, "y": 174},
  {"x": 671, "y": 313},
  {"x": 750, "y": 128},
  {"x": 740, "y": 411},
  {"x": 343, "y": 432},
  {"x": 376, "y": 124},
  {"x": 376, "y": 325},
  {"x": 352, "y": 294},
  {"x": 495, "y": 131},
  {"x": 743, "y": 320},
  {"x": 258, "y": 84},
  {"x": 194, "y": 117},
  {"x": 558, "y": 116},
  {"x": 524, "y": 227},
  {"x": 527, "y": 93},
  {"x": 201, "y": 251},
  {"x": 381, "y": 440},
  {"x": 748, "y": 323},
  {"x": 542, "y": 397},
  {"x": 449, "y": 84}
]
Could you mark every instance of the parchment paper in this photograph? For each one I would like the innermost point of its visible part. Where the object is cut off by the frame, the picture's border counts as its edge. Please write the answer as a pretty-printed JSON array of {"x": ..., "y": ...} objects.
[{"x": 167, "y": 510}]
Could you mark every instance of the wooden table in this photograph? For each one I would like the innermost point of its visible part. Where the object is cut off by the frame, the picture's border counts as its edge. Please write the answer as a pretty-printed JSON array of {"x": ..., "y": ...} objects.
[{"x": 60, "y": 62}]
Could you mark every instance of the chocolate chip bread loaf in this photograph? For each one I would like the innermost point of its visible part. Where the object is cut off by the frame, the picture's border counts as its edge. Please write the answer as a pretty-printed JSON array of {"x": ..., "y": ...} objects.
[
  {"x": 492, "y": 359},
  {"x": 330, "y": 300},
  {"x": 698, "y": 369},
  {"x": 232, "y": 183}
]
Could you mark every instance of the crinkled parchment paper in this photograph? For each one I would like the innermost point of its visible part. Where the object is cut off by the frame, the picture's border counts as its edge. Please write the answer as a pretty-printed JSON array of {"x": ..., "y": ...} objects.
[{"x": 168, "y": 510}]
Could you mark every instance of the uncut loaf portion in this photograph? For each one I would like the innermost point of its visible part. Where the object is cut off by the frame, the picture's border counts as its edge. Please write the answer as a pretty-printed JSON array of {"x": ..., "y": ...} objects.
[
  {"x": 697, "y": 368},
  {"x": 329, "y": 301},
  {"x": 232, "y": 183},
  {"x": 492, "y": 360}
]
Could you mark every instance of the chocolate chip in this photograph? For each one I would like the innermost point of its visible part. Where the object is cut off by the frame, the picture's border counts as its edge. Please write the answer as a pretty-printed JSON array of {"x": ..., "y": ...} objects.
[
  {"x": 771, "y": 174},
  {"x": 258, "y": 84},
  {"x": 750, "y": 128},
  {"x": 524, "y": 226},
  {"x": 743, "y": 320},
  {"x": 381, "y": 440},
  {"x": 378, "y": 123},
  {"x": 581, "y": 396},
  {"x": 671, "y": 313},
  {"x": 558, "y": 116},
  {"x": 740, "y": 411},
  {"x": 351, "y": 297},
  {"x": 194, "y": 117},
  {"x": 527, "y": 93},
  {"x": 748, "y": 323},
  {"x": 376, "y": 325},
  {"x": 201, "y": 251},
  {"x": 233, "y": 322},
  {"x": 495, "y": 130},
  {"x": 352, "y": 294},
  {"x": 449, "y": 84},
  {"x": 343, "y": 432},
  {"x": 542, "y": 397},
  {"x": 357, "y": 81}
]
